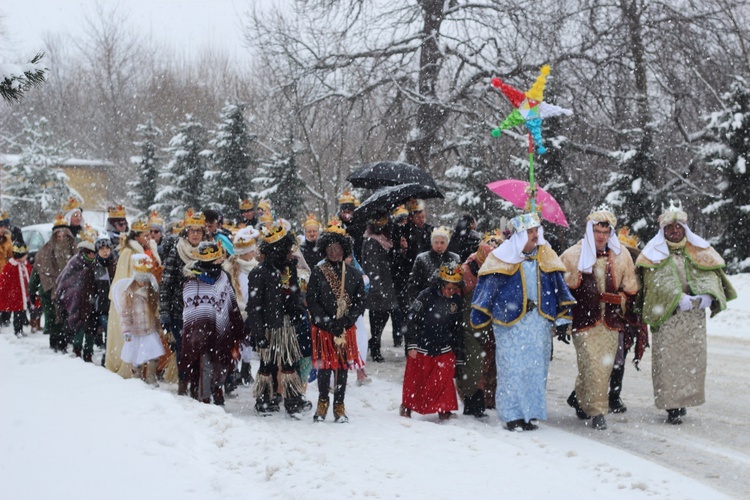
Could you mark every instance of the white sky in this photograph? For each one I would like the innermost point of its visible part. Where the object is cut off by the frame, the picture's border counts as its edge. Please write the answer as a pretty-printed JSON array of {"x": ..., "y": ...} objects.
[{"x": 188, "y": 25}]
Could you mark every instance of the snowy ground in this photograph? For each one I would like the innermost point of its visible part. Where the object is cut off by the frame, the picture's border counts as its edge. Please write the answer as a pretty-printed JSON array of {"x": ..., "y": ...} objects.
[{"x": 71, "y": 429}]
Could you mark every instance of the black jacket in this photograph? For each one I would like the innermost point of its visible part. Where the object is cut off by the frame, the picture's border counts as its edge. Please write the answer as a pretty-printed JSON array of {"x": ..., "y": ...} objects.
[
  {"x": 268, "y": 300},
  {"x": 170, "y": 290},
  {"x": 311, "y": 255},
  {"x": 377, "y": 265},
  {"x": 435, "y": 324},
  {"x": 424, "y": 268},
  {"x": 321, "y": 302}
]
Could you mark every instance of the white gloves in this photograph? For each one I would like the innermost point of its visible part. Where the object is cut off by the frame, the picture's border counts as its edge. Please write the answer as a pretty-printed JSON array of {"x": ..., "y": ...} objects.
[
  {"x": 686, "y": 303},
  {"x": 706, "y": 301}
]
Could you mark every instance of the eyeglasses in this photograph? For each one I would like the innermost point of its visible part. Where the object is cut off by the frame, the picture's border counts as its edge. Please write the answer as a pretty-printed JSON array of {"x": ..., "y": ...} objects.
[{"x": 155, "y": 231}]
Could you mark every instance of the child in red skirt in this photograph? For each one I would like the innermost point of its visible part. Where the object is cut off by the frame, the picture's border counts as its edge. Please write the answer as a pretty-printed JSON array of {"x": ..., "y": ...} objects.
[
  {"x": 434, "y": 346},
  {"x": 14, "y": 287}
]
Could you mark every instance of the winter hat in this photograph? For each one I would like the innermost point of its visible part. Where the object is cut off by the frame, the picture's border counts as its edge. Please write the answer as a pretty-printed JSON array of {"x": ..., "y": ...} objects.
[
  {"x": 19, "y": 250},
  {"x": 102, "y": 241},
  {"x": 88, "y": 238}
]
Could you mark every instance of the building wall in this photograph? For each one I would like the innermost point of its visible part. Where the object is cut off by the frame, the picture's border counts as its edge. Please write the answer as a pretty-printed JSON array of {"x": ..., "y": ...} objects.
[{"x": 91, "y": 184}]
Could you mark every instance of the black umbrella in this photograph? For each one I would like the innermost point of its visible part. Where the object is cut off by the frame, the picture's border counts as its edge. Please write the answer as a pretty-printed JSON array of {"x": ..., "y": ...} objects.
[
  {"x": 388, "y": 198},
  {"x": 389, "y": 173}
]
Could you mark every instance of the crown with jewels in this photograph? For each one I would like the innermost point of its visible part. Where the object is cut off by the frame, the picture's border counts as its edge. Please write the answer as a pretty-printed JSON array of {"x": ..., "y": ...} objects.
[
  {"x": 524, "y": 222},
  {"x": 495, "y": 235},
  {"x": 59, "y": 221},
  {"x": 602, "y": 213},
  {"x": 244, "y": 240},
  {"x": 311, "y": 220},
  {"x": 347, "y": 198},
  {"x": 400, "y": 211},
  {"x": 246, "y": 204},
  {"x": 140, "y": 226},
  {"x": 73, "y": 203},
  {"x": 264, "y": 204},
  {"x": 116, "y": 212},
  {"x": 208, "y": 251},
  {"x": 4, "y": 215},
  {"x": 673, "y": 213},
  {"x": 441, "y": 231},
  {"x": 154, "y": 219},
  {"x": 266, "y": 218},
  {"x": 627, "y": 238},
  {"x": 142, "y": 263},
  {"x": 178, "y": 226},
  {"x": 273, "y": 232},
  {"x": 194, "y": 219},
  {"x": 335, "y": 226},
  {"x": 450, "y": 273}
]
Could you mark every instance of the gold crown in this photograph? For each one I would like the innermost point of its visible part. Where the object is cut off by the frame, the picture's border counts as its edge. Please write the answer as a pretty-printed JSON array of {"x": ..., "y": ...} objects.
[
  {"x": 178, "y": 226},
  {"x": 495, "y": 234},
  {"x": 230, "y": 226},
  {"x": 73, "y": 203},
  {"x": 441, "y": 231},
  {"x": 154, "y": 219},
  {"x": 357, "y": 203},
  {"x": 264, "y": 204},
  {"x": 142, "y": 263},
  {"x": 4, "y": 215},
  {"x": 335, "y": 226},
  {"x": 246, "y": 204},
  {"x": 193, "y": 218},
  {"x": 626, "y": 238},
  {"x": 273, "y": 232},
  {"x": 347, "y": 197},
  {"x": 415, "y": 205},
  {"x": 140, "y": 226},
  {"x": 379, "y": 221},
  {"x": 116, "y": 212},
  {"x": 20, "y": 249},
  {"x": 59, "y": 221},
  {"x": 243, "y": 241},
  {"x": 400, "y": 211},
  {"x": 208, "y": 251},
  {"x": 311, "y": 221},
  {"x": 88, "y": 233},
  {"x": 450, "y": 273}
]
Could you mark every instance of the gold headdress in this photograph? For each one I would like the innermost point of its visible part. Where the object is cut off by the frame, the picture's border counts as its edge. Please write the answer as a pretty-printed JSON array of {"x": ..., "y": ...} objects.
[
  {"x": 142, "y": 263},
  {"x": 347, "y": 198},
  {"x": 73, "y": 203},
  {"x": 140, "y": 226},
  {"x": 273, "y": 232},
  {"x": 246, "y": 205},
  {"x": 627, "y": 238},
  {"x": 116, "y": 212},
  {"x": 450, "y": 273},
  {"x": 155, "y": 220},
  {"x": 335, "y": 226},
  {"x": 311, "y": 220},
  {"x": 20, "y": 249},
  {"x": 264, "y": 204},
  {"x": 208, "y": 251},
  {"x": 194, "y": 219}
]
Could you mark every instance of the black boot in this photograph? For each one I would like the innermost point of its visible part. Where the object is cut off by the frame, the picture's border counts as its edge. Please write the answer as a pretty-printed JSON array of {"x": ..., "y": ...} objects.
[
  {"x": 474, "y": 405},
  {"x": 599, "y": 423},
  {"x": 615, "y": 386},
  {"x": 375, "y": 350},
  {"x": 573, "y": 403},
  {"x": 674, "y": 417},
  {"x": 245, "y": 376}
]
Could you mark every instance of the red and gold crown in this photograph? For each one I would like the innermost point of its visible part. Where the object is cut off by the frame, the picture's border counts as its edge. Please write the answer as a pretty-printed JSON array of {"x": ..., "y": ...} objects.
[
  {"x": 59, "y": 221},
  {"x": 347, "y": 198},
  {"x": 450, "y": 273},
  {"x": 246, "y": 205},
  {"x": 20, "y": 249},
  {"x": 116, "y": 212},
  {"x": 178, "y": 226},
  {"x": 154, "y": 219},
  {"x": 627, "y": 238},
  {"x": 142, "y": 263},
  {"x": 140, "y": 226},
  {"x": 230, "y": 226},
  {"x": 335, "y": 226},
  {"x": 73, "y": 203},
  {"x": 495, "y": 235},
  {"x": 400, "y": 211},
  {"x": 311, "y": 221},
  {"x": 273, "y": 232},
  {"x": 194, "y": 219}
]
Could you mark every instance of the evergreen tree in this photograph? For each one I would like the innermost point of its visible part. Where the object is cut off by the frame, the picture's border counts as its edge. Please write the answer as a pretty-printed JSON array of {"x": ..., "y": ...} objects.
[
  {"x": 183, "y": 176},
  {"x": 229, "y": 178},
  {"x": 279, "y": 180},
  {"x": 144, "y": 186},
  {"x": 17, "y": 79},
  {"x": 34, "y": 188},
  {"x": 729, "y": 155}
]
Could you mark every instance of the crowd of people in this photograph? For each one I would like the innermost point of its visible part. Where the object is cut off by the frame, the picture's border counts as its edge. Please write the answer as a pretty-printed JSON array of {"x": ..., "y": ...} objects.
[{"x": 197, "y": 300}]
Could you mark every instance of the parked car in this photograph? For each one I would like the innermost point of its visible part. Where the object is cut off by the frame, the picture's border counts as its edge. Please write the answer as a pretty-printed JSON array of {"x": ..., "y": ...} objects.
[{"x": 37, "y": 235}]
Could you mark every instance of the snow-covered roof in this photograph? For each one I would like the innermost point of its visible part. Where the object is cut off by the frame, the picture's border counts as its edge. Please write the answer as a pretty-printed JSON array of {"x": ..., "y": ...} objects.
[{"x": 9, "y": 159}]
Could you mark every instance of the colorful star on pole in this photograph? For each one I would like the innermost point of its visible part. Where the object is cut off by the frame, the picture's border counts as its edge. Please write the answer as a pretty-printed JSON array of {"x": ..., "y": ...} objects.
[{"x": 530, "y": 109}]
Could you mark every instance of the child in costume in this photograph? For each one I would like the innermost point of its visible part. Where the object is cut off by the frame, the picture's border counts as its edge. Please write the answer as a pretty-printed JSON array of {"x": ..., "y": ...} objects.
[
  {"x": 14, "y": 283},
  {"x": 434, "y": 346},
  {"x": 137, "y": 302}
]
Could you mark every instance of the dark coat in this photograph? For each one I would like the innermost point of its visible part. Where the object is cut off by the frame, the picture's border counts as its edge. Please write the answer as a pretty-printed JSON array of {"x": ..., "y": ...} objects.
[
  {"x": 321, "y": 302},
  {"x": 377, "y": 265},
  {"x": 311, "y": 255},
  {"x": 76, "y": 292},
  {"x": 435, "y": 324},
  {"x": 465, "y": 244},
  {"x": 424, "y": 268},
  {"x": 170, "y": 290},
  {"x": 269, "y": 300},
  {"x": 103, "y": 275}
]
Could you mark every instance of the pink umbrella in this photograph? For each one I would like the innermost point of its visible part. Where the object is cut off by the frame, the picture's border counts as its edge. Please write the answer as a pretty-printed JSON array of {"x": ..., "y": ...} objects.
[{"x": 517, "y": 192}]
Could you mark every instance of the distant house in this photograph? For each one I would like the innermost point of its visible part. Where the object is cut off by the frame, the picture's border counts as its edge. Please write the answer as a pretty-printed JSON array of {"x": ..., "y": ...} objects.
[{"x": 89, "y": 178}]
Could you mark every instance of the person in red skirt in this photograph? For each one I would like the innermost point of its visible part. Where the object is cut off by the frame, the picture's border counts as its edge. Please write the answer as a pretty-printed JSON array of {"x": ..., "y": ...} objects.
[
  {"x": 14, "y": 287},
  {"x": 434, "y": 346}
]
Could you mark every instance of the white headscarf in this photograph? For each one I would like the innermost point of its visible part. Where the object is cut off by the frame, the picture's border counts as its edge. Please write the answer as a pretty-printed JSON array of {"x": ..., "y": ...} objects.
[
  {"x": 511, "y": 250},
  {"x": 657, "y": 250},
  {"x": 588, "y": 251}
]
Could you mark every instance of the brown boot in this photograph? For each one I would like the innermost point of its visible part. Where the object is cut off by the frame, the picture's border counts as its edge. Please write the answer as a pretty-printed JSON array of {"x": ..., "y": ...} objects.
[
  {"x": 322, "y": 410},
  {"x": 403, "y": 411},
  {"x": 151, "y": 373},
  {"x": 182, "y": 388},
  {"x": 339, "y": 413}
]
